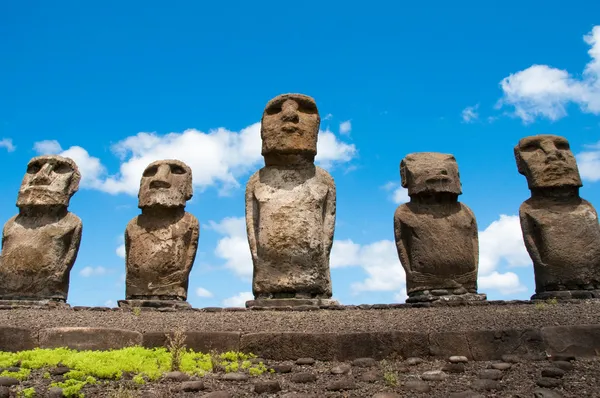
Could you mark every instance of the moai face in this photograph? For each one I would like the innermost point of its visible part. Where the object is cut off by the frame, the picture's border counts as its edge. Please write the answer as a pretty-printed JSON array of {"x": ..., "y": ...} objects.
[
  {"x": 547, "y": 161},
  {"x": 165, "y": 183},
  {"x": 430, "y": 172},
  {"x": 49, "y": 181},
  {"x": 290, "y": 125}
]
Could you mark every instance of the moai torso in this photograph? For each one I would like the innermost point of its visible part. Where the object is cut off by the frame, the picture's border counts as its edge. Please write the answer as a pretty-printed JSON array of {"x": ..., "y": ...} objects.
[
  {"x": 161, "y": 243},
  {"x": 560, "y": 230},
  {"x": 436, "y": 235},
  {"x": 290, "y": 205},
  {"x": 40, "y": 245}
]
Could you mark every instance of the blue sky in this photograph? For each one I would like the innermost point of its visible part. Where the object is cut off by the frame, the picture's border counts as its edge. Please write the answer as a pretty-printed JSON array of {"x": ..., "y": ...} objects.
[{"x": 116, "y": 85}]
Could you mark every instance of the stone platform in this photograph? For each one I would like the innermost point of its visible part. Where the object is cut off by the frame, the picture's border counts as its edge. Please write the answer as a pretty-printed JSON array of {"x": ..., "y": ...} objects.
[
  {"x": 567, "y": 295},
  {"x": 176, "y": 304},
  {"x": 291, "y": 302},
  {"x": 29, "y": 303}
]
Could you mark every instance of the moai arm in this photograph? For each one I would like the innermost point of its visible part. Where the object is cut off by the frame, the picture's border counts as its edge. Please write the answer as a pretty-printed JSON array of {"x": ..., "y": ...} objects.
[
  {"x": 528, "y": 229},
  {"x": 474, "y": 234},
  {"x": 252, "y": 215},
  {"x": 75, "y": 240},
  {"x": 329, "y": 217},
  {"x": 401, "y": 232},
  {"x": 193, "y": 248}
]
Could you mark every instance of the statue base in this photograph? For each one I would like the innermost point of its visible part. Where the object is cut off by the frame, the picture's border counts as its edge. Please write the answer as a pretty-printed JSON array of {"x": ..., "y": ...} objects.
[
  {"x": 567, "y": 295},
  {"x": 32, "y": 303},
  {"x": 176, "y": 304},
  {"x": 291, "y": 302},
  {"x": 429, "y": 296}
]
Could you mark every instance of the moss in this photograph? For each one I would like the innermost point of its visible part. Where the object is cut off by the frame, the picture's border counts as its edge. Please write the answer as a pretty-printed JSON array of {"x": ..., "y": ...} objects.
[
  {"x": 21, "y": 374},
  {"x": 27, "y": 393}
]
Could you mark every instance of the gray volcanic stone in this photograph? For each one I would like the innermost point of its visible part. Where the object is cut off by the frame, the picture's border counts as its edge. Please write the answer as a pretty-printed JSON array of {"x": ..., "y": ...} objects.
[
  {"x": 434, "y": 375},
  {"x": 545, "y": 393},
  {"x": 218, "y": 394},
  {"x": 290, "y": 205},
  {"x": 491, "y": 374},
  {"x": 454, "y": 368},
  {"x": 282, "y": 368},
  {"x": 436, "y": 236},
  {"x": 486, "y": 385},
  {"x": 341, "y": 369},
  {"x": 501, "y": 365},
  {"x": 5, "y": 392},
  {"x": 192, "y": 386},
  {"x": 560, "y": 229},
  {"x": 564, "y": 365},
  {"x": 414, "y": 361},
  {"x": 553, "y": 372},
  {"x": 177, "y": 376},
  {"x": 40, "y": 244},
  {"x": 55, "y": 392},
  {"x": 8, "y": 381},
  {"x": 386, "y": 395},
  {"x": 161, "y": 243},
  {"x": 364, "y": 362},
  {"x": 304, "y": 377},
  {"x": 342, "y": 384},
  {"x": 267, "y": 386},
  {"x": 235, "y": 376},
  {"x": 305, "y": 361},
  {"x": 548, "y": 382},
  {"x": 371, "y": 376},
  {"x": 417, "y": 385},
  {"x": 465, "y": 394},
  {"x": 458, "y": 359}
]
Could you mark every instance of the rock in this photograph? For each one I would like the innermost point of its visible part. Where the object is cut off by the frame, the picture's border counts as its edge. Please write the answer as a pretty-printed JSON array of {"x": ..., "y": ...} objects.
[
  {"x": 446, "y": 228},
  {"x": 501, "y": 365},
  {"x": 562, "y": 357},
  {"x": 486, "y": 385},
  {"x": 161, "y": 242},
  {"x": 299, "y": 395},
  {"x": 192, "y": 386},
  {"x": 491, "y": 374},
  {"x": 304, "y": 377},
  {"x": 235, "y": 376},
  {"x": 364, "y": 362},
  {"x": 290, "y": 204},
  {"x": 465, "y": 394},
  {"x": 341, "y": 369},
  {"x": 371, "y": 376},
  {"x": 553, "y": 372},
  {"x": 58, "y": 371},
  {"x": 458, "y": 359},
  {"x": 55, "y": 392},
  {"x": 454, "y": 368},
  {"x": 176, "y": 376},
  {"x": 342, "y": 384},
  {"x": 267, "y": 386},
  {"x": 545, "y": 393},
  {"x": 417, "y": 385},
  {"x": 40, "y": 244},
  {"x": 564, "y": 365},
  {"x": 282, "y": 368},
  {"x": 414, "y": 361},
  {"x": 560, "y": 228},
  {"x": 5, "y": 392},
  {"x": 305, "y": 361},
  {"x": 8, "y": 381},
  {"x": 548, "y": 382},
  {"x": 218, "y": 394},
  {"x": 434, "y": 375},
  {"x": 511, "y": 358}
]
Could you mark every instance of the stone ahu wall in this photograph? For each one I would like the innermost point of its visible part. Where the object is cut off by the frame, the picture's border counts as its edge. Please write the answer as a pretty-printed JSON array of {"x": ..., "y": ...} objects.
[{"x": 290, "y": 220}]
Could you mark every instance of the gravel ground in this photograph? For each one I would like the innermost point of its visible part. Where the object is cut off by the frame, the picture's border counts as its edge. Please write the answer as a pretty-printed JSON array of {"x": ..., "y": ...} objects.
[
  {"x": 356, "y": 320},
  {"x": 520, "y": 381}
]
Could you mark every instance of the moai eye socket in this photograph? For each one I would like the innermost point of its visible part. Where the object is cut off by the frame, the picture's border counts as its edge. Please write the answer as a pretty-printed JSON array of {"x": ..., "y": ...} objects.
[
  {"x": 306, "y": 106},
  {"x": 562, "y": 145},
  {"x": 63, "y": 168},
  {"x": 150, "y": 171},
  {"x": 274, "y": 108},
  {"x": 529, "y": 147},
  {"x": 33, "y": 168},
  {"x": 176, "y": 169}
]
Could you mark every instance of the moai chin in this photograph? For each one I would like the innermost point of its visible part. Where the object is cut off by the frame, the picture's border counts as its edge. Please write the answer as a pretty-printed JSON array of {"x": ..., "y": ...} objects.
[
  {"x": 40, "y": 244},
  {"x": 290, "y": 209},
  {"x": 560, "y": 229},
  {"x": 436, "y": 235},
  {"x": 161, "y": 243}
]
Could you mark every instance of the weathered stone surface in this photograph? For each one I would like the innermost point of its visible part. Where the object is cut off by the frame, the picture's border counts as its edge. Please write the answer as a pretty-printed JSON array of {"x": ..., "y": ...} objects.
[
  {"x": 414, "y": 361},
  {"x": 292, "y": 303},
  {"x": 553, "y": 372},
  {"x": 218, "y": 394},
  {"x": 545, "y": 393},
  {"x": 465, "y": 394},
  {"x": 267, "y": 386},
  {"x": 16, "y": 339},
  {"x": 290, "y": 205},
  {"x": 304, "y": 377},
  {"x": 486, "y": 385},
  {"x": 548, "y": 382},
  {"x": 572, "y": 341},
  {"x": 198, "y": 341},
  {"x": 87, "y": 338},
  {"x": 364, "y": 362},
  {"x": 55, "y": 392},
  {"x": 458, "y": 359},
  {"x": 371, "y": 376},
  {"x": 491, "y": 374},
  {"x": 4, "y": 392},
  {"x": 417, "y": 385},
  {"x": 342, "y": 384},
  {"x": 158, "y": 304},
  {"x": 305, "y": 361},
  {"x": 176, "y": 376},
  {"x": 501, "y": 366},
  {"x": 192, "y": 386},
  {"x": 40, "y": 244},
  {"x": 161, "y": 243},
  {"x": 564, "y": 365},
  {"x": 560, "y": 229},
  {"x": 386, "y": 395},
  {"x": 434, "y": 375},
  {"x": 341, "y": 369},
  {"x": 8, "y": 381},
  {"x": 282, "y": 368},
  {"x": 235, "y": 376},
  {"x": 436, "y": 236},
  {"x": 454, "y": 368}
]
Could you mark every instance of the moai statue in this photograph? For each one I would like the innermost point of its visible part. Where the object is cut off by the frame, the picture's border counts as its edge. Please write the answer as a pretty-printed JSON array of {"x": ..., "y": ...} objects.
[
  {"x": 561, "y": 230},
  {"x": 40, "y": 244},
  {"x": 161, "y": 243},
  {"x": 290, "y": 209},
  {"x": 436, "y": 235}
]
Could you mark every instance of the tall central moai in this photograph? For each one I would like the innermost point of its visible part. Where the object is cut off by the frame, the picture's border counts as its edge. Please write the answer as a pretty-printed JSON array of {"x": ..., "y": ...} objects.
[
  {"x": 40, "y": 244},
  {"x": 161, "y": 243},
  {"x": 560, "y": 229},
  {"x": 436, "y": 235},
  {"x": 290, "y": 209}
]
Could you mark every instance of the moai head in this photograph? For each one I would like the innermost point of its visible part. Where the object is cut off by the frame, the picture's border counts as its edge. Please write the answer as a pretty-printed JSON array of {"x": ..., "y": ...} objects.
[
  {"x": 165, "y": 183},
  {"x": 547, "y": 162},
  {"x": 290, "y": 125},
  {"x": 430, "y": 173},
  {"x": 49, "y": 181}
]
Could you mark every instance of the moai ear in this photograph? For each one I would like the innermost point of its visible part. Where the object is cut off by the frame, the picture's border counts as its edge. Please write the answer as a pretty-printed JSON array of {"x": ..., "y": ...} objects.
[
  {"x": 74, "y": 185},
  {"x": 519, "y": 160},
  {"x": 403, "y": 174}
]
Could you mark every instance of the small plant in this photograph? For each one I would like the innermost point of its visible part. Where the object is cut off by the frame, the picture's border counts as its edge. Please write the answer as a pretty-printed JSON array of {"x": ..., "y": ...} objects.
[
  {"x": 176, "y": 346},
  {"x": 137, "y": 311},
  {"x": 389, "y": 376},
  {"x": 139, "y": 380},
  {"x": 121, "y": 392},
  {"x": 27, "y": 393},
  {"x": 540, "y": 305},
  {"x": 21, "y": 374},
  {"x": 552, "y": 301}
]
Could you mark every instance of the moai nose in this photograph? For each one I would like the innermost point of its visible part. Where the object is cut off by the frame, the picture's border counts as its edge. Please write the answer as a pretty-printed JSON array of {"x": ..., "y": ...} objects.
[
  {"x": 161, "y": 178},
  {"x": 42, "y": 177},
  {"x": 290, "y": 111}
]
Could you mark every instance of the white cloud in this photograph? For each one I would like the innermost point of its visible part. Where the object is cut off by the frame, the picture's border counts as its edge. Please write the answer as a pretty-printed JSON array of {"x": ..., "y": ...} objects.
[
  {"x": 399, "y": 194},
  {"x": 345, "y": 127},
  {"x": 47, "y": 147},
  {"x": 202, "y": 292},
  {"x": 93, "y": 271},
  {"x": 506, "y": 283},
  {"x": 233, "y": 247},
  {"x": 121, "y": 250},
  {"x": 219, "y": 157},
  {"x": 470, "y": 114},
  {"x": 588, "y": 162},
  {"x": 328, "y": 116},
  {"x": 8, "y": 144},
  {"x": 544, "y": 91},
  {"x": 502, "y": 241},
  {"x": 110, "y": 303},
  {"x": 239, "y": 300},
  {"x": 401, "y": 296}
]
